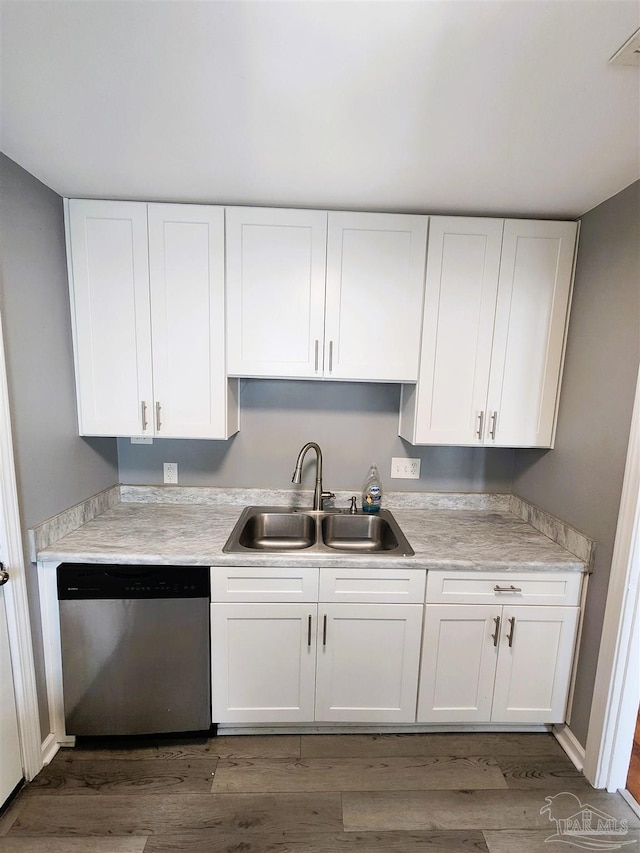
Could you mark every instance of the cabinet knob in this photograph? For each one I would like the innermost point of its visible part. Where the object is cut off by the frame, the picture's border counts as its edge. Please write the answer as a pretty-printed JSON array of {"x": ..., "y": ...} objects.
[
  {"x": 145, "y": 422},
  {"x": 512, "y": 623},
  {"x": 480, "y": 425},
  {"x": 158, "y": 421}
]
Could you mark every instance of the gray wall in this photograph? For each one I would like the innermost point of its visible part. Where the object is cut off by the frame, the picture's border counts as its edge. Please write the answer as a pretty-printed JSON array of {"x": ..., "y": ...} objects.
[
  {"x": 581, "y": 480},
  {"x": 55, "y": 468},
  {"x": 354, "y": 423}
]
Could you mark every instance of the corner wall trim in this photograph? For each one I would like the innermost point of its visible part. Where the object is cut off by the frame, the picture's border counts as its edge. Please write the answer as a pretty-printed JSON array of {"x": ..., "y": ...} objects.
[
  {"x": 571, "y": 745},
  {"x": 15, "y": 593},
  {"x": 50, "y": 747},
  {"x": 617, "y": 686}
]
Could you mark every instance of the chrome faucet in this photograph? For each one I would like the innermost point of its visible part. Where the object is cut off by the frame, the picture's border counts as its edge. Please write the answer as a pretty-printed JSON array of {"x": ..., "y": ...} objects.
[{"x": 318, "y": 495}]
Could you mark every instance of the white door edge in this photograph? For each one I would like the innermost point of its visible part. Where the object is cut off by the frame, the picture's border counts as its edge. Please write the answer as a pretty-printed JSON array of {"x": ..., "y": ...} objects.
[
  {"x": 15, "y": 592},
  {"x": 617, "y": 686}
]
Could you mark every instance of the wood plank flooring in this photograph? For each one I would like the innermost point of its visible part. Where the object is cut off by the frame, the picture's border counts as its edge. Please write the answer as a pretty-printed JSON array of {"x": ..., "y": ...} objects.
[{"x": 434, "y": 793}]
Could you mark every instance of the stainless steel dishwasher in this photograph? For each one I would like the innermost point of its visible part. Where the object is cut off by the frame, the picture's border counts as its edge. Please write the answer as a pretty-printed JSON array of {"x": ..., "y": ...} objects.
[{"x": 135, "y": 648}]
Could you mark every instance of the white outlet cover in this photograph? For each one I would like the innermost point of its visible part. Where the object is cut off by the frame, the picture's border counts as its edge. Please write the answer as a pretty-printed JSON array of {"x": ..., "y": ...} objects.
[
  {"x": 170, "y": 470},
  {"x": 405, "y": 469}
]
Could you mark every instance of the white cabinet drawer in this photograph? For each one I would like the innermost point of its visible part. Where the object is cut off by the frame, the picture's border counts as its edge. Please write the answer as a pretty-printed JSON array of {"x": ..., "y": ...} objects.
[
  {"x": 561, "y": 588},
  {"x": 263, "y": 583},
  {"x": 386, "y": 586}
]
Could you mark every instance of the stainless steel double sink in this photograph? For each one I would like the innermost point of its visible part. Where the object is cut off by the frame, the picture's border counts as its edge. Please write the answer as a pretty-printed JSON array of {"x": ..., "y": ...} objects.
[{"x": 280, "y": 530}]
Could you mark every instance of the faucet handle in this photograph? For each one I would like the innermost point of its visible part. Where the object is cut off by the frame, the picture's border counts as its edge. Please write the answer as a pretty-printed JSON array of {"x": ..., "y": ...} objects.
[
  {"x": 353, "y": 509},
  {"x": 325, "y": 496}
]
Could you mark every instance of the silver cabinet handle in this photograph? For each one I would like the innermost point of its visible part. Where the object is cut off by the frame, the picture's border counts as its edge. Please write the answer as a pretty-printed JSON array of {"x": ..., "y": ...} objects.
[
  {"x": 158, "y": 421},
  {"x": 330, "y": 356},
  {"x": 511, "y": 588},
  {"x": 324, "y": 630},
  {"x": 496, "y": 636},
  {"x": 316, "y": 362},
  {"x": 480, "y": 425},
  {"x": 4, "y": 575},
  {"x": 492, "y": 427},
  {"x": 512, "y": 623},
  {"x": 309, "y": 633},
  {"x": 145, "y": 422}
]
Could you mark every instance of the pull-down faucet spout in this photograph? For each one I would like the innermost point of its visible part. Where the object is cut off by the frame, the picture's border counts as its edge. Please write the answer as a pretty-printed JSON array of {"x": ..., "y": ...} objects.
[{"x": 318, "y": 494}]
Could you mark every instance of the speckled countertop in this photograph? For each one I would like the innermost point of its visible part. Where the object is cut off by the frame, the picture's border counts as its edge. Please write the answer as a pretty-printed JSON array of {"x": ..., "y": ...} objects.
[{"x": 194, "y": 534}]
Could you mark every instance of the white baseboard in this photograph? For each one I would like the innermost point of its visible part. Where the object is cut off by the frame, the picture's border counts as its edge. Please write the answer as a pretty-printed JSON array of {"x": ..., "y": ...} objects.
[
  {"x": 49, "y": 748},
  {"x": 630, "y": 800},
  {"x": 571, "y": 745}
]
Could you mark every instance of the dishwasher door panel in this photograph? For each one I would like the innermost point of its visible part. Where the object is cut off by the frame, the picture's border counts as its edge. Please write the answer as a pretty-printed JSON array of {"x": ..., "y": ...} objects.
[{"x": 135, "y": 666}]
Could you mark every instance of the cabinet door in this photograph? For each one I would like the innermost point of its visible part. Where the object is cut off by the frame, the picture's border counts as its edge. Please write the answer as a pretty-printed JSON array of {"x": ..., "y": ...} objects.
[
  {"x": 263, "y": 659},
  {"x": 458, "y": 663},
  {"x": 275, "y": 291},
  {"x": 531, "y": 314},
  {"x": 463, "y": 263},
  {"x": 375, "y": 285},
  {"x": 109, "y": 282},
  {"x": 186, "y": 265},
  {"x": 534, "y": 664},
  {"x": 368, "y": 657}
]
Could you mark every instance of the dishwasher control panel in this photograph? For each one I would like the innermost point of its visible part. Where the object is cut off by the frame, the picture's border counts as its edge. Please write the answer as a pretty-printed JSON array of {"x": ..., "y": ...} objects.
[{"x": 100, "y": 581}]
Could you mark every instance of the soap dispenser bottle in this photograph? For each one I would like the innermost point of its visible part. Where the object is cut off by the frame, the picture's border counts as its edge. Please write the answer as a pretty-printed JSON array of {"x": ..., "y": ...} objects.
[{"x": 372, "y": 491}]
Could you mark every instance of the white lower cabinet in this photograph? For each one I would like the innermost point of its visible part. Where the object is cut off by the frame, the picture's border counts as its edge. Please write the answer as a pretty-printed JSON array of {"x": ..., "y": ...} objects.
[
  {"x": 534, "y": 669},
  {"x": 458, "y": 664},
  {"x": 263, "y": 662},
  {"x": 499, "y": 663},
  {"x": 292, "y": 661},
  {"x": 367, "y": 662},
  {"x": 302, "y": 645}
]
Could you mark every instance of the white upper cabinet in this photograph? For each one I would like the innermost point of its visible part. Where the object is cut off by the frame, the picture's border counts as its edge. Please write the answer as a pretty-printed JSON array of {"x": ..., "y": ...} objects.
[
  {"x": 110, "y": 308},
  {"x": 528, "y": 342},
  {"x": 275, "y": 291},
  {"x": 186, "y": 266},
  {"x": 147, "y": 295},
  {"x": 463, "y": 263},
  {"x": 375, "y": 285},
  {"x": 496, "y": 304},
  {"x": 283, "y": 322}
]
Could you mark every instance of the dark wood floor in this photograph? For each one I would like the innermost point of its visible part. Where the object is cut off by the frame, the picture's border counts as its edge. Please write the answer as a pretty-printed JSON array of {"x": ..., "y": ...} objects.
[{"x": 312, "y": 794}]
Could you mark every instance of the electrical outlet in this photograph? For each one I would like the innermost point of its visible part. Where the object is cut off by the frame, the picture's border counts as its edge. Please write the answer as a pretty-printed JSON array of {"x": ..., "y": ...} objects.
[
  {"x": 405, "y": 469},
  {"x": 170, "y": 472}
]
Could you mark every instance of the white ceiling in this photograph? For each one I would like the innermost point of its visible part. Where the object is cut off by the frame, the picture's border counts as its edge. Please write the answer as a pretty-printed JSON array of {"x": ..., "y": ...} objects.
[{"x": 489, "y": 107}]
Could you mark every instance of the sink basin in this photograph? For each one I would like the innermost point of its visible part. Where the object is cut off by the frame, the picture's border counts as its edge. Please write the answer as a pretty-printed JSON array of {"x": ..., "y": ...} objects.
[
  {"x": 281, "y": 530},
  {"x": 358, "y": 533},
  {"x": 278, "y": 531}
]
